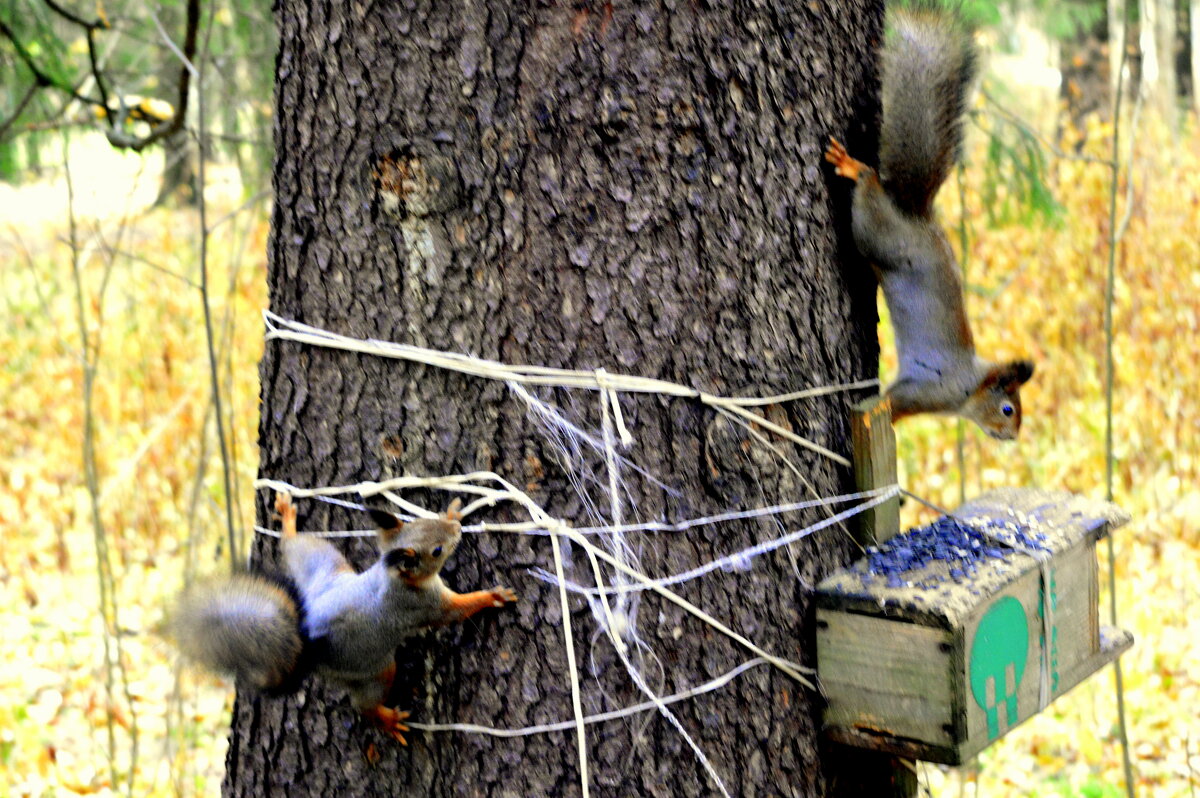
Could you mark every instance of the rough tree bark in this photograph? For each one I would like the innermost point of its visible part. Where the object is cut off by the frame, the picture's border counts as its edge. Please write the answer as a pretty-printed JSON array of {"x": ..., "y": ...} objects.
[{"x": 580, "y": 185}]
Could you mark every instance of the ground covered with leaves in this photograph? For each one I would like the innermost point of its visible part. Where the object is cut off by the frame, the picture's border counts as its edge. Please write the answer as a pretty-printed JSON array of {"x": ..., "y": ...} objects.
[{"x": 106, "y": 379}]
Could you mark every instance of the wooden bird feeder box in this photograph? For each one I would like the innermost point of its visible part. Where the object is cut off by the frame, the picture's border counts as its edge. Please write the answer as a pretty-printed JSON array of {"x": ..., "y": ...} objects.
[{"x": 944, "y": 638}]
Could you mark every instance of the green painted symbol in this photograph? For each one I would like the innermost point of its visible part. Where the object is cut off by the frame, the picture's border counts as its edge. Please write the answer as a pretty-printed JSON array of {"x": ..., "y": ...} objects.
[
  {"x": 1053, "y": 628},
  {"x": 998, "y": 656}
]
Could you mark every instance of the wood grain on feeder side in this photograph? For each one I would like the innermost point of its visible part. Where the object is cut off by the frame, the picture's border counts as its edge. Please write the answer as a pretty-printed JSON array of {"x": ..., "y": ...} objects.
[
  {"x": 887, "y": 677},
  {"x": 875, "y": 467}
]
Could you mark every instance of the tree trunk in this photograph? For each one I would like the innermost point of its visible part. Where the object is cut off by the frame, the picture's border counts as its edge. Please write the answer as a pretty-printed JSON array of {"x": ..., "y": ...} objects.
[
  {"x": 178, "y": 182},
  {"x": 1167, "y": 33},
  {"x": 1148, "y": 45},
  {"x": 582, "y": 186},
  {"x": 1116, "y": 42},
  {"x": 1194, "y": 50},
  {"x": 1157, "y": 43}
]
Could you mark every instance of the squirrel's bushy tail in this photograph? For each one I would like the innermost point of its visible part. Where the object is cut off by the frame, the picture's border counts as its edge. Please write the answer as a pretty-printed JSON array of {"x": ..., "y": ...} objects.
[
  {"x": 246, "y": 626},
  {"x": 929, "y": 62}
]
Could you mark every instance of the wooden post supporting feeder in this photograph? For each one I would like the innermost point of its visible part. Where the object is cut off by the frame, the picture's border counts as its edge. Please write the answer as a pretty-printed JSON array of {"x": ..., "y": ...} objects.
[
  {"x": 875, "y": 467},
  {"x": 944, "y": 638}
]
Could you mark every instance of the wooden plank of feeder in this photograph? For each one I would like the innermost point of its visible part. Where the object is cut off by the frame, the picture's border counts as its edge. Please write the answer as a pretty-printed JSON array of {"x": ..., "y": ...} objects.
[
  {"x": 874, "y": 443},
  {"x": 1113, "y": 643},
  {"x": 895, "y": 654},
  {"x": 905, "y": 679}
]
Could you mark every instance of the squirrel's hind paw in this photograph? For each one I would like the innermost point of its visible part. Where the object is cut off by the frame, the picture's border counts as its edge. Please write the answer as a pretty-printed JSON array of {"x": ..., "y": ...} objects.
[
  {"x": 390, "y": 722},
  {"x": 285, "y": 511},
  {"x": 284, "y": 506}
]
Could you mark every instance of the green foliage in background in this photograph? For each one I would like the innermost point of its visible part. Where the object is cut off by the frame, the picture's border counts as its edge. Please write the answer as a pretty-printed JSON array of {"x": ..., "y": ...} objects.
[
  {"x": 1060, "y": 19},
  {"x": 46, "y": 52},
  {"x": 1015, "y": 188}
]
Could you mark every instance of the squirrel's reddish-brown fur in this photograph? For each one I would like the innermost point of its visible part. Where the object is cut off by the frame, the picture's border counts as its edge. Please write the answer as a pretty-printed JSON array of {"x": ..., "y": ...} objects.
[{"x": 342, "y": 624}]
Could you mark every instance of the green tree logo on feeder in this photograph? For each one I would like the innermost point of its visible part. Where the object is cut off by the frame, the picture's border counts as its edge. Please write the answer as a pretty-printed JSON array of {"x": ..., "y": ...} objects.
[{"x": 998, "y": 656}]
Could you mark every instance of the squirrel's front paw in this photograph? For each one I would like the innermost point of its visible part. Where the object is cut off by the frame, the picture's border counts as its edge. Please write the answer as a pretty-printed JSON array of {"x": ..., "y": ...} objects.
[
  {"x": 502, "y": 596},
  {"x": 390, "y": 722},
  {"x": 844, "y": 165}
]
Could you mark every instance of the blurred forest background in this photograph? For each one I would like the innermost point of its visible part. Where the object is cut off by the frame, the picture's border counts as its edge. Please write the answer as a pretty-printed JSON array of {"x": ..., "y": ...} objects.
[{"x": 135, "y": 154}]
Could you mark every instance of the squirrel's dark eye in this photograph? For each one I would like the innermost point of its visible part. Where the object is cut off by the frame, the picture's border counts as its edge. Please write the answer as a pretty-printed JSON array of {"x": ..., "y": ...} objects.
[
  {"x": 1007, "y": 410},
  {"x": 437, "y": 552}
]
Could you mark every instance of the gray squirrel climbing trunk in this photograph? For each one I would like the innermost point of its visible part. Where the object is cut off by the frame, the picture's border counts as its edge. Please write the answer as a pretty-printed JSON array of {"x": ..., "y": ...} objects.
[{"x": 592, "y": 185}]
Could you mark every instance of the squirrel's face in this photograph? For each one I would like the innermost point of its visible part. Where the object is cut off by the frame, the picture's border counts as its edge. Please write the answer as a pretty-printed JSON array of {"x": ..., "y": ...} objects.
[
  {"x": 996, "y": 404},
  {"x": 417, "y": 550}
]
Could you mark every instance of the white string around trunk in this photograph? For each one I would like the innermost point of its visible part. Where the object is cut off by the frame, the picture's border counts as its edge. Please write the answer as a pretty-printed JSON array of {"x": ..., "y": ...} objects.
[
  {"x": 616, "y": 618},
  {"x": 279, "y": 328},
  {"x": 531, "y": 528}
]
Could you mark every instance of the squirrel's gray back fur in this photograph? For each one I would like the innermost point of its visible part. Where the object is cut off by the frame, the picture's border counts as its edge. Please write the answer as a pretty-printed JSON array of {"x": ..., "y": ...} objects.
[{"x": 928, "y": 65}]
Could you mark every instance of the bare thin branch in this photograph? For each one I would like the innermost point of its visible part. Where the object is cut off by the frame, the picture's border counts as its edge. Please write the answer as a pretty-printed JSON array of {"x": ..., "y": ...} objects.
[
  {"x": 71, "y": 16},
  {"x": 91, "y": 26},
  {"x": 33, "y": 87},
  {"x": 187, "y": 56},
  {"x": 1008, "y": 116},
  {"x": 39, "y": 75}
]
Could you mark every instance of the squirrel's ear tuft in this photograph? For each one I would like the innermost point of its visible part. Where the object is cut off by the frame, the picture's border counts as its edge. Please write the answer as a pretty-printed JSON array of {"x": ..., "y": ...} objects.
[
  {"x": 384, "y": 520},
  {"x": 453, "y": 511},
  {"x": 1008, "y": 376},
  {"x": 1018, "y": 371}
]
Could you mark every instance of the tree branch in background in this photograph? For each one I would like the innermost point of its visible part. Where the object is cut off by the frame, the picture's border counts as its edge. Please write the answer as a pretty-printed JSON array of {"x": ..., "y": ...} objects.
[
  {"x": 71, "y": 16},
  {"x": 114, "y": 110},
  {"x": 100, "y": 23},
  {"x": 41, "y": 77},
  {"x": 1008, "y": 116},
  {"x": 4, "y": 126},
  {"x": 185, "y": 79}
]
